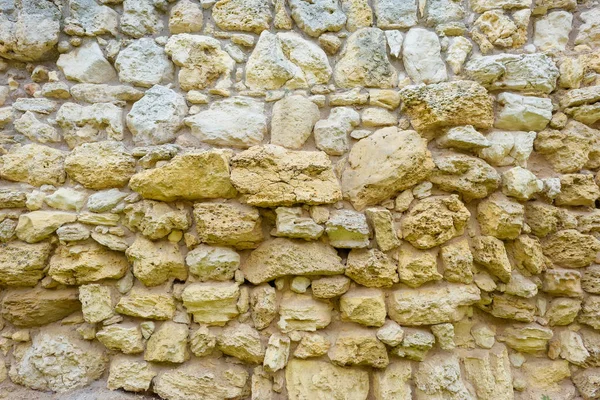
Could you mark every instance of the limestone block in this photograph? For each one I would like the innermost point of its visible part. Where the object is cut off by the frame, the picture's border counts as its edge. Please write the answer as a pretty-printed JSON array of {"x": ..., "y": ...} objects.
[
  {"x": 202, "y": 342},
  {"x": 381, "y": 221},
  {"x": 36, "y": 307},
  {"x": 421, "y": 57},
  {"x": 277, "y": 353},
  {"x": 168, "y": 344},
  {"x": 290, "y": 223},
  {"x": 86, "y": 64},
  {"x": 415, "y": 345},
  {"x": 438, "y": 375},
  {"x": 213, "y": 263},
  {"x": 329, "y": 287},
  {"x": 525, "y": 113},
  {"x": 34, "y": 164},
  {"x": 500, "y": 217},
  {"x": 531, "y": 338},
  {"x": 491, "y": 253},
  {"x": 417, "y": 267},
  {"x": 228, "y": 224},
  {"x": 470, "y": 176},
  {"x": 312, "y": 345},
  {"x": 140, "y": 18},
  {"x": 577, "y": 190},
  {"x": 155, "y": 220},
  {"x": 457, "y": 261},
  {"x": 292, "y": 121},
  {"x": 393, "y": 382},
  {"x": 358, "y": 347},
  {"x": 317, "y": 17},
  {"x": 85, "y": 124},
  {"x": 185, "y": 17},
  {"x": 156, "y": 262},
  {"x": 562, "y": 282},
  {"x": 363, "y": 306},
  {"x": 130, "y": 375},
  {"x": 371, "y": 268},
  {"x": 242, "y": 15},
  {"x": 490, "y": 373},
  {"x": 463, "y": 138},
  {"x": 144, "y": 63},
  {"x": 347, "y": 229},
  {"x": 96, "y": 302},
  {"x": 395, "y": 14},
  {"x": 212, "y": 303},
  {"x": 143, "y": 304},
  {"x": 123, "y": 338},
  {"x": 302, "y": 312},
  {"x": 23, "y": 264},
  {"x": 571, "y": 249},
  {"x": 331, "y": 134},
  {"x": 243, "y": 342}
]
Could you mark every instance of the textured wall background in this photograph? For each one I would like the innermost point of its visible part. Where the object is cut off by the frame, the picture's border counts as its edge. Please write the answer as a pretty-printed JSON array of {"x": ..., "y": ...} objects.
[{"x": 364, "y": 199}]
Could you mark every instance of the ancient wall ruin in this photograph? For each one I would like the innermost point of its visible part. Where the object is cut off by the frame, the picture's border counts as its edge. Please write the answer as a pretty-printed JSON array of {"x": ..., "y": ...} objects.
[{"x": 325, "y": 199}]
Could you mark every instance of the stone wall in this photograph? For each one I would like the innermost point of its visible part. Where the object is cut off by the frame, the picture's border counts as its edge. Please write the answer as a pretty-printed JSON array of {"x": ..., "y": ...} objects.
[{"x": 353, "y": 199}]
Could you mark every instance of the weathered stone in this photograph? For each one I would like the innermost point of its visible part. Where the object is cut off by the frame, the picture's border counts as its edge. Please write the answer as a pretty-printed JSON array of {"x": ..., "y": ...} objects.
[
  {"x": 144, "y": 63},
  {"x": 552, "y": 31},
  {"x": 96, "y": 302},
  {"x": 590, "y": 312},
  {"x": 33, "y": 164},
  {"x": 38, "y": 225},
  {"x": 562, "y": 282},
  {"x": 215, "y": 125},
  {"x": 470, "y": 176},
  {"x": 307, "y": 177},
  {"x": 490, "y": 373},
  {"x": 140, "y": 18},
  {"x": 532, "y": 338},
  {"x": 29, "y": 126},
  {"x": 588, "y": 31},
  {"x": 156, "y": 117},
  {"x": 79, "y": 362},
  {"x": 86, "y": 64},
  {"x": 415, "y": 345},
  {"x": 30, "y": 30},
  {"x": 212, "y": 303},
  {"x": 347, "y": 229},
  {"x": 372, "y": 176},
  {"x": 395, "y": 14},
  {"x": 330, "y": 286},
  {"x": 277, "y": 353},
  {"x": 562, "y": 311},
  {"x": 457, "y": 261},
  {"x": 243, "y": 342},
  {"x": 102, "y": 93},
  {"x": 203, "y": 63},
  {"x": 84, "y": 124},
  {"x": 202, "y": 342},
  {"x": 491, "y": 253},
  {"x": 520, "y": 72},
  {"x": 416, "y": 267},
  {"x": 523, "y": 113},
  {"x": 290, "y": 223},
  {"x": 168, "y": 344},
  {"x": 292, "y": 121},
  {"x": 307, "y": 56},
  {"x": 242, "y": 15},
  {"x": 383, "y": 226},
  {"x": 432, "y": 304},
  {"x": 202, "y": 382},
  {"x": 371, "y": 268},
  {"x": 185, "y": 17},
  {"x": 364, "y": 61},
  {"x": 440, "y": 376},
  {"x": 331, "y": 134},
  {"x": 130, "y": 375},
  {"x": 449, "y": 104},
  {"x": 571, "y": 249},
  {"x": 263, "y": 305},
  {"x": 226, "y": 224},
  {"x": 172, "y": 181},
  {"x": 156, "y": 262},
  {"x": 23, "y": 264},
  {"x": 213, "y": 263},
  {"x": 143, "y": 304},
  {"x": 512, "y": 307},
  {"x": 527, "y": 253},
  {"x": 126, "y": 339},
  {"x": 500, "y": 217},
  {"x": 363, "y": 306},
  {"x": 86, "y": 263},
  {"x": 155, "y": 220},
  {"x": 303, "y": 313},
  {"x": 421, "y": 57},
  {"x": 352, "y": 384},
  {"x": 577, "y": 190},
  {"x": 36, "y": 307},
  {"x": 434, "y": 221},
  {"x": 463, "y": 138},
  {"x": 317, "y": 17},
  {"x": 359, "y": 347}
]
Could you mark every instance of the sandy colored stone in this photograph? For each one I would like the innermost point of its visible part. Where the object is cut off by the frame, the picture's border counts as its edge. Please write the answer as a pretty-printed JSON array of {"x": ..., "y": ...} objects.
[
  {"x": 417, "y": 267},
  {"x": 577, "y": 190},
  {"x": 213, "y": 262},
  {"x": 571, "y": 249},
  {"x": 331, "y": 134},
  {"x": 23, "y": 264},
  {"x": 347, "y": 229},
  {"x": 307, "y": 56},
  {"x": 372, "y": 176},
  {"x": 449, "y": 104},
  {"x": 490, "y": 373},
  {"x": 130, "y": 375},
  {"x": 312, "y": 345},
  {"x": 303, "y": 313},
  {"x": 491, "y": 253},
  {"x": 79, "y": 362},
  {"x": 34, "y": 164},
  {"x": 434, "y": 220},
  {"x": 277, "y": 353},
  {"x": 562, "y": 282},
  {"x": 292, "y": 121},
  {"x": 86, "y": 263},
  {"x": 393, "y": 382},
  {"x": 364, "y": 61},
  {"x": 172, "y": 181},
  {"x": 148, "y": 305},
  {"x": 202, "y": 342},
  {"x": 291, "y": 223},
  {"x": 156, "y": 262},
  {"x": 352, "y": 384},
  {"x": 144, "y": 63},
  {"x": 440, "y": 375},
  {"x": 358, "y": 348},
  {"x": 328, "y": 287},
  {"x": 263, "y": 305},
  {"x": 531, "y": 338},
  {"x": 168, "y": 344},
  {"x": 90, "y": 123},
  {"x": 36, "y": 307},
  {"x": 243, "y": 342},
  {"x": 185, "y": 17},
  {"x": 242, "y": 15},
  {"x": 86, "y": 64},
  {"x": 228, "y": 224},
  {"x": 212, "y": 303},
  {"x": 457, "y": 261},
  {"x": 382, "y": 224},
  {"x": 500, "y": 217},
  {"x": 153, "y": 219},
  {"x": 432, "y": 304},
  {"x": 123, "y": 338},
  {"x": 317, "y": 17},
  {"x": 371, "y": 268},
  {"x": 36, "y": 226},
  {"x": 363, "y": 306},
  {"x": 96, "y": 302},
  {"x": 270, "y": 175},
  {"x": 421, "y": 57}
]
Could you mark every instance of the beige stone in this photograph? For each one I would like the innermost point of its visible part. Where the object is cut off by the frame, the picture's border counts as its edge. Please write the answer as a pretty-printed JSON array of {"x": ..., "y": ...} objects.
[
  {"x": 532, "y": 338},
  {"x": 213, "y": 263},
  {"x": 383, "y": 227},
  {"x": 490, "y": 373},
  {"x": 86, "y": 263},
  {"x": 590, "y": 312},
  {"x": 156, "y": 262},
  {"x": 126, "y": 339},
  {"x": 228, "y": 224},
  {"x": 393, "y": 382},
  {"x": 434, "y": 221},
  {"x": 212, "y": 303},
  {"x": 243, "y": 342},
  {"x": 347, "y": 229},
  {"x": 36, "y": 307},
  {"x": 371, "y": 176},
  {"x": 130, "y": 375},
  {"x": 371, "y": 268},
  {"x": 34, "y": 164},
  {"x": 292, "y": 121},
  {"x": 173, "y": 181},
  {"x": 358, "y": 347},
  {"x": 430, "y": 305},
  {"x": 202, "y": 342},
  {"x": 23, "y": 264},
  {"x": 185, "y": 17},
  {"x": 100, "y": 165},
  {"x": 417, "y": 267},
  {"x": 500, "y": 217},
  {"x": 155, "y": 220},
  {"x": 263, "y": 305},
  {"x": 281, "y": 257},
  {"x": 562, "y": 282},
  {"x": 562, "y": 311},
  {"x": 457, "y": 261},
  {"x": 302, "y": 312},
  {"x": 440, "y": 376},
  {"x": 270, "y": 175},
  {"x": 363, "y": 306},
  {"x": 415, "y": 345},
  {"x": 242, "y": 15},
  {"x": 168, "y": 344},
  {"x": 571, "y": 249},
  {"x": 143, "y": 304},
  {"x": 577, "y": 190},
  {"x": 277, "y": 353},
  {"x": 329, "y": 287},
  {"x": 470, "y": 176},
  {"x": 312, "y": 345},
  {"x": 96, "y": 302},
  {"x": 36, "y": 226},
  {"x": 491, "y": 253},
  {"x": 352, "y": 384}
]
